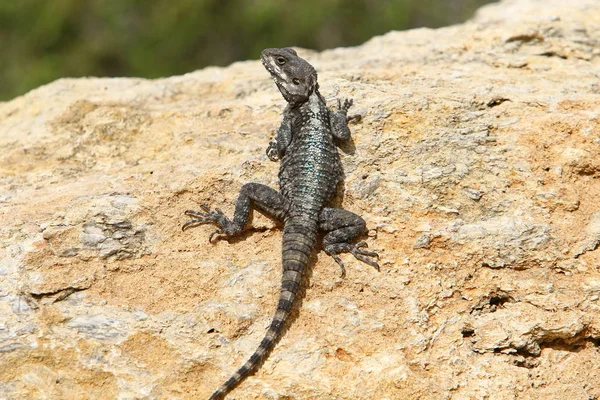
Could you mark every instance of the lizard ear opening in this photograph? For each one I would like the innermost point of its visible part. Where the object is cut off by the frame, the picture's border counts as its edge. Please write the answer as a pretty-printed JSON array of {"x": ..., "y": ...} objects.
[{"x": 313, "y": 82}]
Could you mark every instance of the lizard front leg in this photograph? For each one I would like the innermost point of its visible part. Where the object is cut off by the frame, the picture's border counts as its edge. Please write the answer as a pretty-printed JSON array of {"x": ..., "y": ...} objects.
[
  {"x": 342, "y": 228},
  {"x": 277, "y": 147},
  {"x": 252, "y": 196},
  {"x": 339, "y": 120}
]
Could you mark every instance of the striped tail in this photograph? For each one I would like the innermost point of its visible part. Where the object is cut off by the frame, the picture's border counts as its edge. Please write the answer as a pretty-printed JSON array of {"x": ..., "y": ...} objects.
[{"x": 298, "y": 241}]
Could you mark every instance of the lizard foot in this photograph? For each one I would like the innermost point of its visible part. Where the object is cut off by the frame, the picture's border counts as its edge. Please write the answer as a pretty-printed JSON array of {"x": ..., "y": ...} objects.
[
  {"x": 272, "y": 151},
  {"x": 207, "y": 216},
  {"x": 344, "y": 107},
  {"x": 356, "y": 250}
]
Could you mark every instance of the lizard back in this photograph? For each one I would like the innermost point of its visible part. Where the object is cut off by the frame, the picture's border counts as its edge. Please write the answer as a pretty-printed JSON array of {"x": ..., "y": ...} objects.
[
  {"x": 309, "y": 174},
  {"x": 310, "y": 169}
]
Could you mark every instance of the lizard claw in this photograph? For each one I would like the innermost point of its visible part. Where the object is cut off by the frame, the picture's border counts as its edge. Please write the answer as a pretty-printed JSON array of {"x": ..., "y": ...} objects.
[
  {"x": 216, "y": 232},
  {"x": 206, "y": 216},
  {"x": 198, "y": 218},
  {"x": 344, "y": 107},
  {"x": 356, "y": 250},
  {"x": 367, "y": 253},
  {"x": 341, "y": 264},
  {"x": 363, "y": 255},
  {"x": 272, "y": 152}
]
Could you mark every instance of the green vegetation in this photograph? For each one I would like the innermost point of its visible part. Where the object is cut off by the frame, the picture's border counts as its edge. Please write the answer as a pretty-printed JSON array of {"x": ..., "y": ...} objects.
[{"x": 41, "y": 40}]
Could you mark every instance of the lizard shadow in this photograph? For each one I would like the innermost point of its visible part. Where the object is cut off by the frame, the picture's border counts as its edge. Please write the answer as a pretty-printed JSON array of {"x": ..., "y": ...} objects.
[{"x": 347, "y": 146}]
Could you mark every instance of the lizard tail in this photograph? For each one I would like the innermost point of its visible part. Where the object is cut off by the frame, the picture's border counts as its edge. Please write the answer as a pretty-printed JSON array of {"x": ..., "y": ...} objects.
[{"x": 299, "y": 237}]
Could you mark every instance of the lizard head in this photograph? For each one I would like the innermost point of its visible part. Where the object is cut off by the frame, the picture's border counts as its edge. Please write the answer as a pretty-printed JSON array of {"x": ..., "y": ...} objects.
[{"x": 294, "y": 76}]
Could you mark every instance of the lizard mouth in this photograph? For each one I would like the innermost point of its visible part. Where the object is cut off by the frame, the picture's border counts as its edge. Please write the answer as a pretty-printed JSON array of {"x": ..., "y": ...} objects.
[
  {"x": 275, "y": 72},
  {"x": 268, "y": 64}
]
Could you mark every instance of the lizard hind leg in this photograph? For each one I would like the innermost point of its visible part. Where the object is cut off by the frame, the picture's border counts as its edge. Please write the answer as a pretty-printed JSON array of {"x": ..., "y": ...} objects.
[
  {"x": 252, "y": 196},
  {"x": 343, "y": 227}
]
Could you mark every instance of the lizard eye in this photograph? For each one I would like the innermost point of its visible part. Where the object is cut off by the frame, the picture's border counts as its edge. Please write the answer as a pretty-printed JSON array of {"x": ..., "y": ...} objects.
[
  {"x": 280, "y": 60},
  {"x": 296, "y": 81}
]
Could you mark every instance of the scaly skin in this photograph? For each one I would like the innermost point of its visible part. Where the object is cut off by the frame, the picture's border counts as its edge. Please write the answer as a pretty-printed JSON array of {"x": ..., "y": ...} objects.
[{"x": 309, "y": 174}]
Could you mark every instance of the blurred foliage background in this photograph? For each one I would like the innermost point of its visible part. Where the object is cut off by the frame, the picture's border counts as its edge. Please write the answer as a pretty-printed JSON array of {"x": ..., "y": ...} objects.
[{"x": 41, "y": 40}]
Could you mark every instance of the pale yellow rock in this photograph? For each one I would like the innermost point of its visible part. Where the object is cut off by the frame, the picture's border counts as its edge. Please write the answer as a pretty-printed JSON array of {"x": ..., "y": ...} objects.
[{"x": 476, "y": 168}]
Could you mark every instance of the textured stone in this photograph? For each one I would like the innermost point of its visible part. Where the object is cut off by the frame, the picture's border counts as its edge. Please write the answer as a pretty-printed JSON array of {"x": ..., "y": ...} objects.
[{"x": 475, "y": 165}]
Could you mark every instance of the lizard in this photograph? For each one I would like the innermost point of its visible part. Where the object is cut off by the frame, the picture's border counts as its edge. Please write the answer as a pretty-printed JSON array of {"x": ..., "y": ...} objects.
[{"x": 309, "y": 174}]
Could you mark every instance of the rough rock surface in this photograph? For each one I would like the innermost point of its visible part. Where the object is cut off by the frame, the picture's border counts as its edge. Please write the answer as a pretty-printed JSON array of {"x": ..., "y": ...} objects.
[{"x": 475, "y": 165}]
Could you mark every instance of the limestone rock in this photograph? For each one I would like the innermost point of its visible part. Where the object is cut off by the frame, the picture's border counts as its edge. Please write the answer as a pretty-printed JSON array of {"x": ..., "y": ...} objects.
[{"x": 475, "y": 166}]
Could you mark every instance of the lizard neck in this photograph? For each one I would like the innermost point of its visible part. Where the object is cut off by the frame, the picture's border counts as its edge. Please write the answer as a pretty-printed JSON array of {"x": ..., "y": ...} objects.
[
  {"x": 315, "y": 102},
  {"x": 315, "y": 97}
]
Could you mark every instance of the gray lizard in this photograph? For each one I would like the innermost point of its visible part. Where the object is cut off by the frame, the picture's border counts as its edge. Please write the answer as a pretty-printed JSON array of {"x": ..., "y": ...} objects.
[{"x": 309, "y": 175}]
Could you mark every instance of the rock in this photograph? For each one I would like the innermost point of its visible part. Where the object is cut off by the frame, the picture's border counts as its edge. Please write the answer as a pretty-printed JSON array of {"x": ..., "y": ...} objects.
[{"x": 474, "y": 164}]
